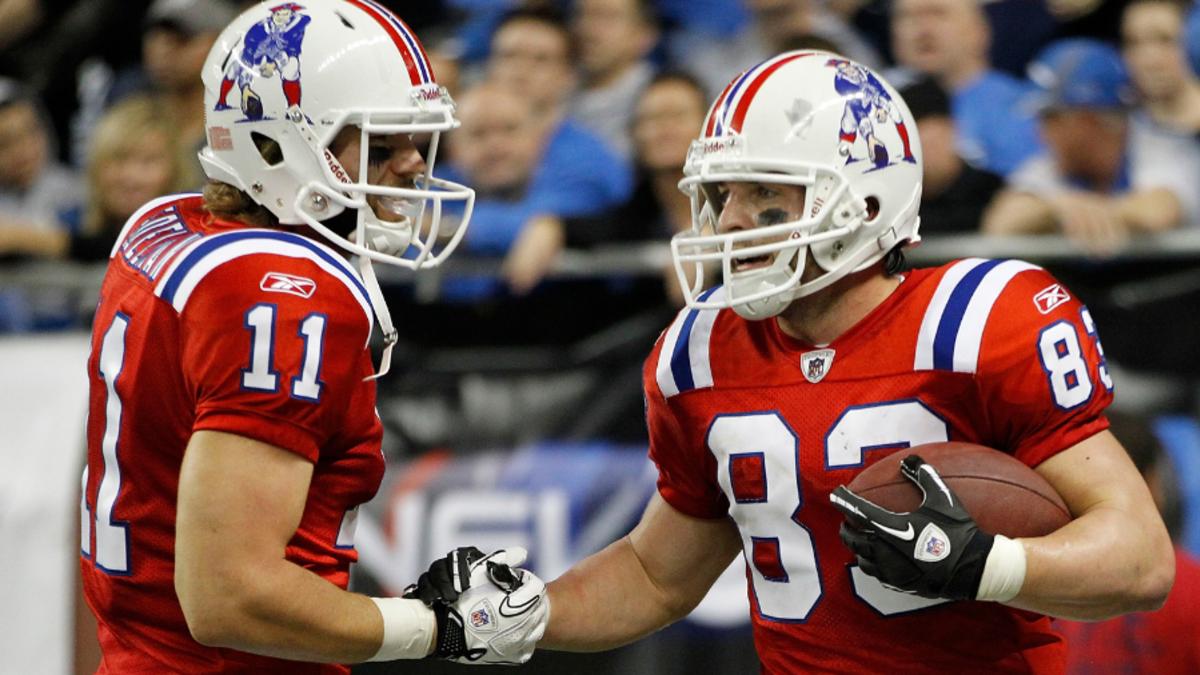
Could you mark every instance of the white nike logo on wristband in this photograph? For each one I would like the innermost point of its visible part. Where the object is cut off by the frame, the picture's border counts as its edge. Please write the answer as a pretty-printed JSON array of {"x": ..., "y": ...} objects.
[{"x": 906, "y": 535}]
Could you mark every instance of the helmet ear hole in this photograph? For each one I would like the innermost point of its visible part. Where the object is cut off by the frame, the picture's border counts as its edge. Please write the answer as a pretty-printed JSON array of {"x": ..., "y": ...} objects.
[
  {"x": 268, "y": 148},
  {"x": 872, "y": 208}
]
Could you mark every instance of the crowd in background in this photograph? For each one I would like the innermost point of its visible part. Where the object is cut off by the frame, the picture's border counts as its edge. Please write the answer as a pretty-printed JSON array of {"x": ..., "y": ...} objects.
[{"x": 1071, "y": 116}]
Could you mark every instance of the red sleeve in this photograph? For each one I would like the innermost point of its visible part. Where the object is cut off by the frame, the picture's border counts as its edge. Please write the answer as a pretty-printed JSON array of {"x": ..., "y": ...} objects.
[
  {"x": 1042, "y": 373},
  {"x": 278, "y": 366},
  {"x": 687, "y": 472}
]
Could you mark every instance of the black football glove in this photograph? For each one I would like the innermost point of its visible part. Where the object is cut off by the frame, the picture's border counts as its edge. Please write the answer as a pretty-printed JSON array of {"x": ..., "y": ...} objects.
[
  {"x": 446, "y": 578},
  {"x": 935, "y": 552}
]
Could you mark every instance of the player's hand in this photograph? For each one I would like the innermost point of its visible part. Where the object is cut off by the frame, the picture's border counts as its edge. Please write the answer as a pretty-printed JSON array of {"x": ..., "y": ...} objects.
[
  {"x": 935, "y": 552},
  {"x": 446, "y": 577},
  {"x": 488, "y": 610}
]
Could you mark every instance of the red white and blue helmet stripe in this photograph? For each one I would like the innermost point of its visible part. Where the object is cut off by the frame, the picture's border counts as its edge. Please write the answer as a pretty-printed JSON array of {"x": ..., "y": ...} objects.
[
  {"x": 419, "y": 70},
  {"x": 730, "y": 109}
]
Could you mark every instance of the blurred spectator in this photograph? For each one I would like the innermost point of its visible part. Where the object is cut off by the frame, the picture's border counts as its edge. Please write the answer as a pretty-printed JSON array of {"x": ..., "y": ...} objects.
[
  {"x": 949, "y": 40},
  {"x": 667, "y": 118},
  {"x": 529, "y": 162},
  {"x": 534, "y": 53},
  {"x": 716, "y": 61},
  {"x": 955, "y": 194},
  {"x": 131, "y": 161},
  {"x": 1100, "y": 180},
  {"x": 178, "y": 36},
  {"x": 18, "y": 18},
  {"x": 1165, "y": 642},
  {"x": 1152, "y": 43},
  {"x": 34, "y": 188},
  {"x": 527, "y": 175},
  {"x": 615, "y": 38}
]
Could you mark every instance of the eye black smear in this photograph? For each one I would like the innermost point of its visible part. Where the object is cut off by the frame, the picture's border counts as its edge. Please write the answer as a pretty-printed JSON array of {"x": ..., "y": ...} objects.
[{"x": 771, "y": 217}]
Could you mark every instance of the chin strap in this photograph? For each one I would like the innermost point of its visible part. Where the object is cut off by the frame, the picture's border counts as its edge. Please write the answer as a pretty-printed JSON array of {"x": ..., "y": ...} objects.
[{"x": 390, "y": 336}]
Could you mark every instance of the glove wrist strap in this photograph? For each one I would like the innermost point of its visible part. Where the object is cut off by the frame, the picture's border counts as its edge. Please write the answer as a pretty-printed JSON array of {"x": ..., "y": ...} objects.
[
  {"x": 1004, "y": 572},
  {"x": 408, "y": 629}
]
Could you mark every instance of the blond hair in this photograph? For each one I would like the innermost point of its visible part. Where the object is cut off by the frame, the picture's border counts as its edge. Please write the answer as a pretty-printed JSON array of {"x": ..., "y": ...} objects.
[{"x": 121, "y": 129}]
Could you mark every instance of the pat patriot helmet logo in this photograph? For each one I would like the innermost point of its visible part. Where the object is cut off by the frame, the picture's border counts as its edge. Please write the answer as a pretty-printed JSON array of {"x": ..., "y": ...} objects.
[
  {"x": 270, "y": 46},
  {"x": 868, "y": 108},
  {"x": 816, "y": 364},
  {"x": 278, "y": 282},
  {"x": 1050, "y": 297}
]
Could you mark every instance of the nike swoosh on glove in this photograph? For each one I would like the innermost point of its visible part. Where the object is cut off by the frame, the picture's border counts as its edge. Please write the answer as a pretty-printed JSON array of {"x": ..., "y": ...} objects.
[
  {"x": 499, "y": 615},
  {"x": 936, "y": 551}
]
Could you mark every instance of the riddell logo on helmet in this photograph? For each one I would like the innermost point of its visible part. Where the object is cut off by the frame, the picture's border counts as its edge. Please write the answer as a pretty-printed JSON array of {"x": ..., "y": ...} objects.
[
  {"x": 428, "y": 94},
  {"x": 336, "y": 168},
  {"x": 719, "y": 145}
]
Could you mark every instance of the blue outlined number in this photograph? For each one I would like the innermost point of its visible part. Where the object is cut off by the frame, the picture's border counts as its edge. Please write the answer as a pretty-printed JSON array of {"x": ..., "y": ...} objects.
[
  {"x": 111, "y": 551},
  {"x": 758, "y": 469},
  {"x": 1090, "y": 326},
  {"x": 262, "y": 375},
  {"x": 1066, "y": 369},
  {"x": 783, "y": 559}
]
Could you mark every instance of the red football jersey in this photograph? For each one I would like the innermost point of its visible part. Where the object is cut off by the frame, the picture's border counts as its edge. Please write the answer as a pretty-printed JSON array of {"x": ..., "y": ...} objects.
[
  {"x": 205, "y": 324},
  {"x": 746, "y": 422}
]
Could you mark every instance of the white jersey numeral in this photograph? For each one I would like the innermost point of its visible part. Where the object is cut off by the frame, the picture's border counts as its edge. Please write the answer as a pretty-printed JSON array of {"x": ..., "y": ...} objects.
[
  {"x": 111, "y": 552},
  {"x": 262, "y": 375},
  {"x": 758, "y": 458},
  {"x": 757, "y": 466},
  {"x": 308, "y": 385},
  {"x": 1090, "y": 326},
  {"x": 1066, "y": 369}
]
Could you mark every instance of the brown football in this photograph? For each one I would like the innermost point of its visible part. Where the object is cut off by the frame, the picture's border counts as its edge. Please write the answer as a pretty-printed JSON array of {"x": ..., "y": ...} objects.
[{"x": 1003, "y": 495}]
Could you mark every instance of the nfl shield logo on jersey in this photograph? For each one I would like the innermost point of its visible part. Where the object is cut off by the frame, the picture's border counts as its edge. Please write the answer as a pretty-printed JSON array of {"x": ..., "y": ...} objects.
[{"x": 816, "y": 364}]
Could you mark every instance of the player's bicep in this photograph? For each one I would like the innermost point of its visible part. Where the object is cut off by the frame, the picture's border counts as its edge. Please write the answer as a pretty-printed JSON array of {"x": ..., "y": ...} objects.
[
  {"x": 240, "y": 502},
  {"x": 1097, "y": 472},
  {"x": 682, "y": 556}
]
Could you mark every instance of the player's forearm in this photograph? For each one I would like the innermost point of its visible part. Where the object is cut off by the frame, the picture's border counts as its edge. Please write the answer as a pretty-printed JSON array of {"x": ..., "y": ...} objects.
[
  {"x": 607, "y": 601},
  {"x": 1108, "y": 562},
  {"x": 1013, "y": 212},
  {"x": 1153, "y": 210},
  {"x": 284, "y": 611}
]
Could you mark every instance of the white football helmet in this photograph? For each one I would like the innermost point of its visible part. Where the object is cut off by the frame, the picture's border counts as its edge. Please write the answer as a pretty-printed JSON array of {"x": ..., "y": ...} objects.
[
  {"x": 806, "y": 118},
  {"x": 298, "y": 73}
]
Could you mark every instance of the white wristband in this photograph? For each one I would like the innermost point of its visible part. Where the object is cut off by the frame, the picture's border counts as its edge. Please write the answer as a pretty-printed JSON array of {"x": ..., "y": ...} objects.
[
  {"x": 408, "y": 629},
  {"x": 1004, "y": 571}
]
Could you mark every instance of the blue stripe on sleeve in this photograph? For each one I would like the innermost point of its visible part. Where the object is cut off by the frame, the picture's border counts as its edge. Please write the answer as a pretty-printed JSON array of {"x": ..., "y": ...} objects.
[{"x": 956, "y": 307}]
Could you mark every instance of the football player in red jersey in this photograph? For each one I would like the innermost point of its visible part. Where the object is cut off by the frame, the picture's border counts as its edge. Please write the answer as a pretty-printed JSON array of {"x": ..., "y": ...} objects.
[
  {"x": 232, "y": 431},
  {"x": 816, "y": 357}
]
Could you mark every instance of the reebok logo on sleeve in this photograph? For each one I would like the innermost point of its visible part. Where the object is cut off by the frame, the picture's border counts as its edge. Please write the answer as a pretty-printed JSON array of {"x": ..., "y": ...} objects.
[{"x": 278, "y": 282}]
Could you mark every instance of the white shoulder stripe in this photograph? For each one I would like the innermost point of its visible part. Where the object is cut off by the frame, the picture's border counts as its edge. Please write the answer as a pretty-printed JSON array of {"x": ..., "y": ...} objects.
[
  {"x": 951, "y": 333},
  {"x": 684, "y": 363},
  {"x": 193, "y": 264},
  {"x": 970, "y": 332},
  {"x": 937, "y": 305}
]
